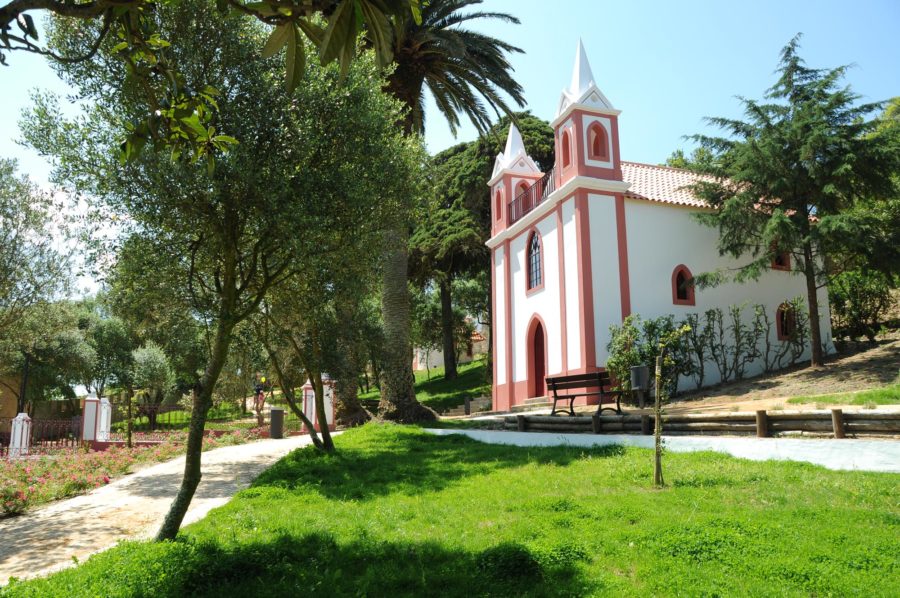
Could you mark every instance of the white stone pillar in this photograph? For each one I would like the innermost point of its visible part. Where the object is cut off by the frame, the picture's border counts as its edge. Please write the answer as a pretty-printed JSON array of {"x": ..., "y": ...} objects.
[
  {"x": 105, "y": 423},
  {"x": 20, "y": 436},
  {"x": 90, "y": 421}
]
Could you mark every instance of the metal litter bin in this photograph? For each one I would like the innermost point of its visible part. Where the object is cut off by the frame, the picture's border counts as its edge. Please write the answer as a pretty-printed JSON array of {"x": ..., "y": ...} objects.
[{"x": 276, "y": 422}]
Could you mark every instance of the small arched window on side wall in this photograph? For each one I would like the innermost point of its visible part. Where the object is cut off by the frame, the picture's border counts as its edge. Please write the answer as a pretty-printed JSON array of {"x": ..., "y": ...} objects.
[
  {"x": 535, "y": 263},
  {"x": 598, "y": 142},
  {"x": 566, "y": 149},
  {"x": 785, "y": 322},
  {"x": 682, "y": 286},
  {"x": 498, "y": 205},
  {"x": 782, "y": 261}
]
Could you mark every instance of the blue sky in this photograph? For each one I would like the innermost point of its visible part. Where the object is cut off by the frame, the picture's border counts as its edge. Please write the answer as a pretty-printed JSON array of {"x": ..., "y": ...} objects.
[{"x": 665, "y": 64}]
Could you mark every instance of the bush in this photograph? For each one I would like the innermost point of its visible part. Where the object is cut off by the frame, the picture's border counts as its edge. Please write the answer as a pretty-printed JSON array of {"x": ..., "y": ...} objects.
[{"x": 859, "y": 301}]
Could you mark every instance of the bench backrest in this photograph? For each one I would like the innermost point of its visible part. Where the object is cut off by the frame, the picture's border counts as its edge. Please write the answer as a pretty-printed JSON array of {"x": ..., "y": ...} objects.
[{"x": 592, "y": 380}]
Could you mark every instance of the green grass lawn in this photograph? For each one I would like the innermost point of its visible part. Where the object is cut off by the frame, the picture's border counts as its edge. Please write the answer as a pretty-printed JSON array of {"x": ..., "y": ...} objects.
[
  {"x": 441, "y": 394},
  {"x": 889, "y": 395},
  {"x": 399, "y": 512}
]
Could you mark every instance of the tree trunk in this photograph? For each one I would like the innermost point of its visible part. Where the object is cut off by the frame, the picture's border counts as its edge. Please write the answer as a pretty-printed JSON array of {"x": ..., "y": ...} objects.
[
  {"x": 812, "y": 298},
  {"x": 287, "y": 390},
  {"x": 348, "y": 411},
  {"x": 447, "y": 331},
  {"x": 321, "y": 416},
  {"x": 201, "y": 405},
  {"x": 398, "y": 396}
]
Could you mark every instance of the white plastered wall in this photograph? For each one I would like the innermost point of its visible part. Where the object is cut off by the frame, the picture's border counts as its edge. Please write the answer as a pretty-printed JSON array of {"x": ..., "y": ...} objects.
[
  {"x": 661, "y": 237},
  {"x": 604, "y": 269},
  {"x": 544, "y": 302},
  {"x": 570, "y": 251},
  {"x": 499, "y": 316}
]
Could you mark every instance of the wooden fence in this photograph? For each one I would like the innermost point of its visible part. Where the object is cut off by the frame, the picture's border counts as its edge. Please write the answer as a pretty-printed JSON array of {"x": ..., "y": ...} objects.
[{"x": 759, "y": 423}]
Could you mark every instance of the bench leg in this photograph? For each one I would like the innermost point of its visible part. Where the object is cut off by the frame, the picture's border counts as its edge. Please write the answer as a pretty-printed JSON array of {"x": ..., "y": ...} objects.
[{"x": 571, "y": 407}]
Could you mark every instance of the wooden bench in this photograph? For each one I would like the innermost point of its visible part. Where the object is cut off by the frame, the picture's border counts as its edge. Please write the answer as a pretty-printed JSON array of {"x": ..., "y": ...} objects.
[{"x": 582, "y": 385}]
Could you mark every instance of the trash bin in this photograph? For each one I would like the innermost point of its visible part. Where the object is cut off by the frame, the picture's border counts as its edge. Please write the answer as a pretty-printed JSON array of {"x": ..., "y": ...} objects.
[{"x": 276, "y": 422}]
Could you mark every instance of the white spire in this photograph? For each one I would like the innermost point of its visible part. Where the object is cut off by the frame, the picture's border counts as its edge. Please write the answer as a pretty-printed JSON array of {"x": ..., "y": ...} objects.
[
  {"x": 514, "y": 157},
  {"x": 582, "y": 77},
  {"x": 583, "y": 89},
  {"x": 514, "y": 143}
]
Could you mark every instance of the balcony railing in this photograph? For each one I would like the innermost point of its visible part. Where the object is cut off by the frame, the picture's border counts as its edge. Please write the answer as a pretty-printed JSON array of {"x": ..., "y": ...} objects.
[{"x": 532, "y": 197}]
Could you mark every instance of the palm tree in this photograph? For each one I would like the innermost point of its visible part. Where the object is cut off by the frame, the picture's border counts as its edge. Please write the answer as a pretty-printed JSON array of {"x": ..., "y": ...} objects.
[{"x": 465, "y": 72}]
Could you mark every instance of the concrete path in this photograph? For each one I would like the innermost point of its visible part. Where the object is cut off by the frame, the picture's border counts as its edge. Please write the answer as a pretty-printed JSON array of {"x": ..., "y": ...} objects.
[
  {"x": 46, "y": 539},
  {"x": 863, "y": 455}
]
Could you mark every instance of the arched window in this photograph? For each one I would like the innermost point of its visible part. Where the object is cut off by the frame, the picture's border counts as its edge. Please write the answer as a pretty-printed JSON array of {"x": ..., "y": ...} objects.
[
  {"x": 566, "y": 150},
  {"x": 598, "y": 143},
  {"x": 782, "y": 261},
  {"x": 785, "y": 322},
  {"x": 535, "y": 271},
  {"x": 498, "y": 205},
  {"x": 682, "y": 286},
  {"x": 521, "y": 188}
]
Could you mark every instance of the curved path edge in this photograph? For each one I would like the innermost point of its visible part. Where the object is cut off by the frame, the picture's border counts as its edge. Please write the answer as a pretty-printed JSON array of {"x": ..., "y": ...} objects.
[{"x": 132, "y": 507}]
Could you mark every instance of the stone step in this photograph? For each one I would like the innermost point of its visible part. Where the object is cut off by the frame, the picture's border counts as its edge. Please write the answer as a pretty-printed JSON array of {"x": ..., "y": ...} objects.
[
  {"x": 536, "y": 401},
  {"x": 531, "y": 406}
]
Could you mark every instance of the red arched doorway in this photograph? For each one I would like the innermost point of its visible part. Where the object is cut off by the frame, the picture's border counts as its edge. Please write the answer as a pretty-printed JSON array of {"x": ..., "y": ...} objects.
[{"x": 537, "y": 359}]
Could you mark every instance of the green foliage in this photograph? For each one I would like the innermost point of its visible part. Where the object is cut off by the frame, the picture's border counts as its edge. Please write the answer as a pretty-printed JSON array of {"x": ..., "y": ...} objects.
[
  {"x": 859, "y": 301},
  {"x": 398, "y": 511},
  {"x": 808, "y": 171},
  {"x": 152, "y": 372},
  {"x": 32, "y": 269},
  {"x": 112, "y": 344},
  {"x": 175, "y": 115},
  {"x": 701, "y": 159},
  {"x": 639, "y": 342}
]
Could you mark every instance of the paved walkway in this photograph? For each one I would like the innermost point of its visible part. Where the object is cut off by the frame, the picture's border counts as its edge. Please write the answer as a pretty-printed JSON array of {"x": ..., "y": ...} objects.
[
  {"x": 46, "y": 539},
  {"x": 863, "y": 455}
]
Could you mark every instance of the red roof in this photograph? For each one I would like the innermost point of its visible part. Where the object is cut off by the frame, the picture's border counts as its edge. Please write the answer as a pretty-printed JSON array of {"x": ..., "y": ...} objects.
[{"x": 662, "y": 184}]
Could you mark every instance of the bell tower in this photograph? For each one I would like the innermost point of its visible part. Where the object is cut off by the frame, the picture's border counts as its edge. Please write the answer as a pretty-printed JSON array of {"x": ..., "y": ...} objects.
[
  {"x": 514, "y": 172},
  {"x": 586, "y": 128}
]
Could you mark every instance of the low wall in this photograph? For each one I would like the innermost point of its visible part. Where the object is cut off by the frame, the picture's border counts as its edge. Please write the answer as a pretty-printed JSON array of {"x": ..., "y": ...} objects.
[{"x": 759, "y": 423}]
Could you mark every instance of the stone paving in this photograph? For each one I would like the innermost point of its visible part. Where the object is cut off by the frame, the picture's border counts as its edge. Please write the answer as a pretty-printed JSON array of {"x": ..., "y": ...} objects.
[{"x": 131, "y": 507}]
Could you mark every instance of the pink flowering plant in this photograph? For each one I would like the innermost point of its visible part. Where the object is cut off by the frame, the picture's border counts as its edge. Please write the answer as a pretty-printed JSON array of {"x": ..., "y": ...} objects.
[{"x": 39, "y": 479}]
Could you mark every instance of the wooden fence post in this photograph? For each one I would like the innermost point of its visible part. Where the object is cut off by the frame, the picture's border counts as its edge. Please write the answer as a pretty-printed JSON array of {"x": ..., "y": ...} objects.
[
  {"x": 762, "y": 424},
  {"x": 596, "y": 425},
  {"x": 837, "y": 422},
  {"x": 520, "y": 423}
]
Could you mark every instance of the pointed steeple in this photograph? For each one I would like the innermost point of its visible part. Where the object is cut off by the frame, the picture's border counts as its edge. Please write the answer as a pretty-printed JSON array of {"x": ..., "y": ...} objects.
[
  {"x": 583, "y": 89},
  {"x": 514, "y": 157},
  {"x": 514, "y": 143},
  {"x": 582, "y": 77}
]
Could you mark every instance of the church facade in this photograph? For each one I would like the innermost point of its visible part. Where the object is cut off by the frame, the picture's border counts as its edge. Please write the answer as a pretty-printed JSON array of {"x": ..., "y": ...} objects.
[{"x": 580, "y": 248}]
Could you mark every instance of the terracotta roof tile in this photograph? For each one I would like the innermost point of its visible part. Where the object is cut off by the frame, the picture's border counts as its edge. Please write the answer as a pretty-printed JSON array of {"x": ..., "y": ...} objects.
[{"x": 661, "y": 183}]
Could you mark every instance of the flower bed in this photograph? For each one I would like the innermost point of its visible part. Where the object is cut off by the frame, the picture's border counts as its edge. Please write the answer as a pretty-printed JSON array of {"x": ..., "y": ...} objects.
[{"x": 32, "y": 481}]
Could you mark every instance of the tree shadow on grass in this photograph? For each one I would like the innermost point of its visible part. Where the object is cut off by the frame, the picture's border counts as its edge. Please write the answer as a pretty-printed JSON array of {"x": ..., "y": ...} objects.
[
  {"x": 392, "y": 459},
  {"x": 317, "y": 565}
]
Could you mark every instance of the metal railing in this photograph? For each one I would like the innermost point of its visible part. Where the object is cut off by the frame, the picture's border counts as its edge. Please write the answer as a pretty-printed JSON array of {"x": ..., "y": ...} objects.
[
  {"x": 532, "y": 197},
  {"x": 47, "y": 435}
]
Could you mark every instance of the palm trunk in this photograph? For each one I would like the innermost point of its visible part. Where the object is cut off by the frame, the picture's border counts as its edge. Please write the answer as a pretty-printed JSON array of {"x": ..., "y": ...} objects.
[
  {"x": 398, "y": 395},
  {"x": 812, "y": 298},
  {"x": 201, "y": 406},
  {"x": 447, "y": 332}
]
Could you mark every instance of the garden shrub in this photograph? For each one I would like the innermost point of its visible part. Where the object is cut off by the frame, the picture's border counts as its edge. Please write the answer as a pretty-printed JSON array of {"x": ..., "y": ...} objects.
[{"x": 859, "y": 301}]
